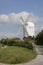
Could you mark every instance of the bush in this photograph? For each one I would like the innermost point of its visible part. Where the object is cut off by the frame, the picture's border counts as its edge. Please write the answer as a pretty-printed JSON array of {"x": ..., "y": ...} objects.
[
  {"x": 39, "y": 38},
  {"x": 28, "y": 44},
  {"x": 4, "y": 41},
  {"x": 17, "y": 42}
]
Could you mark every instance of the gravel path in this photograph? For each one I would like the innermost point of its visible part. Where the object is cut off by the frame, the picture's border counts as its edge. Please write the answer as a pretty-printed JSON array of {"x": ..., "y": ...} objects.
[{"x": 37, "y": 61}]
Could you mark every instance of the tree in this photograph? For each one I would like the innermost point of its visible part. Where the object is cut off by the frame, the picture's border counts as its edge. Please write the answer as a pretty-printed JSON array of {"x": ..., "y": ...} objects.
[
  {"x": 4, "y": 41},
  {"x": 39, "y": 38}
]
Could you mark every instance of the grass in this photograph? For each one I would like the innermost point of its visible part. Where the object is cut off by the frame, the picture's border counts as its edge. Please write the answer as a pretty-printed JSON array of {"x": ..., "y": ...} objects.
[{"x": 15, "y": 54}]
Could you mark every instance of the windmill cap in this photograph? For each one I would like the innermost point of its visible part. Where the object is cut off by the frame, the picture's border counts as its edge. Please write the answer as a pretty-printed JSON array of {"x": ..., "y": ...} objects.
[{"x": 30, "y": 23}]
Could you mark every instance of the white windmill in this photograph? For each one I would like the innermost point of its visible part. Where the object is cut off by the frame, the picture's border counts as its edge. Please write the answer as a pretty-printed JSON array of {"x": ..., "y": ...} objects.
[{"x": 28, "y": 27}]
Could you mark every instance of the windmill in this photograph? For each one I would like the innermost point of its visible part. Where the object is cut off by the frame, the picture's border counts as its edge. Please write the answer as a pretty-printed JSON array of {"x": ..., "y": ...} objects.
[
  {"x": 24, "y": 24},
  {"x": 28, "y": 27}
]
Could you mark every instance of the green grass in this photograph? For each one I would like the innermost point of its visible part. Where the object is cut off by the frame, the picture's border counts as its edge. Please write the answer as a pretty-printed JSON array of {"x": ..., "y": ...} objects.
[{"x": 15, "y": 54}]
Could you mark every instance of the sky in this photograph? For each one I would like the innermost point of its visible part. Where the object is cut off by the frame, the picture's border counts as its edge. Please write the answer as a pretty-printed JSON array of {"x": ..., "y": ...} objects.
[{"x": 10, "y": 12}]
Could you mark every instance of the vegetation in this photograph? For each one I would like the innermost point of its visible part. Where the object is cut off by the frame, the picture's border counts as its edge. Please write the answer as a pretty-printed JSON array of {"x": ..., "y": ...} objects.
[
  {"x": 39, "y": 38},
  {"x": 17, "y": 42},
  {"x": 17, "y": 50},
  {"x": 15, "y": 54}
]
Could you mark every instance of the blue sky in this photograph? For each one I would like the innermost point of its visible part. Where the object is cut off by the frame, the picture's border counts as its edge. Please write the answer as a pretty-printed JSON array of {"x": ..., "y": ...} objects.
[
  {"x": 34, "y": 6},
  {"x": 16, "y": 6}
]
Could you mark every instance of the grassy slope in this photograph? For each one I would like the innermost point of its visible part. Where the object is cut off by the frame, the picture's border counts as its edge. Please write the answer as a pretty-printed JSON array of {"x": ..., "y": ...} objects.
[{"x": 15, "y": 54}]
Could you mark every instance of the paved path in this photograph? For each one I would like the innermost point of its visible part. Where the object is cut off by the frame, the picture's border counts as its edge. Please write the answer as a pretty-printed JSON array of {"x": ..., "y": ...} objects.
[
  {"x": 37, "y": 61},
  {"x": 36, "y": 49}
]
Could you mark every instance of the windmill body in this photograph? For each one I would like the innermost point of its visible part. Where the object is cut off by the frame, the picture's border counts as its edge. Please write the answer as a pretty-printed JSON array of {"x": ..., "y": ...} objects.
[{"x": 30, "y": 28}]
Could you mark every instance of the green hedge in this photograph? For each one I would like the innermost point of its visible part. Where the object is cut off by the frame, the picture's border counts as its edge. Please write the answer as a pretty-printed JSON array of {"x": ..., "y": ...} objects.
[{"x": 17, "y": 42}]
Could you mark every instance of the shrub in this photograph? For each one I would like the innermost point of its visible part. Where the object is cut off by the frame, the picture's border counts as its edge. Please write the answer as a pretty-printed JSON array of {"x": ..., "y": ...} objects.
[
  {"x": 39, "y": 38},
  {"x": 28, "y": 44},
  {"x": 17, "y": 42},
  {"x": 4, "y": 41}
]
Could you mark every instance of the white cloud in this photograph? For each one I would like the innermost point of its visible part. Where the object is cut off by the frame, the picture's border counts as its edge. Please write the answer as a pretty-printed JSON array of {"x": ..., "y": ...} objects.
[
  {"x": 3, "y": 19},
  {"x": 15, "y": 18},
  {"x": 7, "y": 34}
]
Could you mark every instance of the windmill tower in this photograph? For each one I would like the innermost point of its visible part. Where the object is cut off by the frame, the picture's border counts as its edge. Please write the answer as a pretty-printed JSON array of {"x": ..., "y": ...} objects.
[{"x": 28, "y": 27}]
